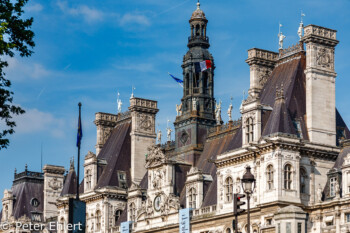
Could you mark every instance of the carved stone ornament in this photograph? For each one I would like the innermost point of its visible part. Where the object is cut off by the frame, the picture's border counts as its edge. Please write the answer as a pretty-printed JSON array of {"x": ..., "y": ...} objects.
[
  {"x": 106, "y": 134},
  {"x": 146, "y": 122},
  {"x": 171, "y": 204},
  {"x": 184, "y": 137},
  {"x": 324, "y": 58},
  {"x": 263, "y": 76},
  {"x": 157, "y": 181},
  {"x": 155, "y": 156},
  {"x": 55, "y": 184}
]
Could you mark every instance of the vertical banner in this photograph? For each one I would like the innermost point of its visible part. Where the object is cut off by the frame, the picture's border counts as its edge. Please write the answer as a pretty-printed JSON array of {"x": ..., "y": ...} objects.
[
  {"x": 125, "y": 227},
  {"x": 77, "y": 216},
  {"x": 185, "y": 220}
]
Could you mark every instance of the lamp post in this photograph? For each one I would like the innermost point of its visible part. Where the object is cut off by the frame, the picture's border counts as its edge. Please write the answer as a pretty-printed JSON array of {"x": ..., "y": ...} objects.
[{"x": 248, "y": 185}]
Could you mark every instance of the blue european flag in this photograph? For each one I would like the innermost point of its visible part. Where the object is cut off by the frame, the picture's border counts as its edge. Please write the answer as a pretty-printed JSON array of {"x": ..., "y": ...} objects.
[
  {"x": 179, "y": 81},
  {"x": 80, "y": 131}
]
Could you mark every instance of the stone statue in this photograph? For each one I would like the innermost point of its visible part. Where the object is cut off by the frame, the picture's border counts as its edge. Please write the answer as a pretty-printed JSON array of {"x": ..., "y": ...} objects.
[
  {"x": 300, "y": 30},
  {"x": 337, "y": 190},
  {"x": 159, "y": 137},
  {"x": 281, "y": 38},
  {"x": 194, "y": 102},
  {"x": 169, "y": 134},
  {"x": 179, "y": 109},
  {"x": 218, "y": 113},
  {"x": 319, "y": 194},
  {"x": 229, "y": 112},
  {"x": 120, "y": 103}
]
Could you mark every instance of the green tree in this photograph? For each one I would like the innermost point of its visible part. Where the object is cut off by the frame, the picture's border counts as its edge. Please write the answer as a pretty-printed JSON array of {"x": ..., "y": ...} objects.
[{"x": 15, "y": 38}]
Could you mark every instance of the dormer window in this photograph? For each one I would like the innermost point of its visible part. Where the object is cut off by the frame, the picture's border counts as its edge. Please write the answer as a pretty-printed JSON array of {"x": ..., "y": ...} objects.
[
  {"x": 228, "y": 189},
  {"x": 88, "y": 179},
  {"x": 250, "y": 130},
  {"x": 122, "y": 179},
  {"x": 192, "y": 198},
  {"x": 332, "y": 186}
]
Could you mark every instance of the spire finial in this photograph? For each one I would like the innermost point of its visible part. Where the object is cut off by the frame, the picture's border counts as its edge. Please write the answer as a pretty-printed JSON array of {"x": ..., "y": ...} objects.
[
  {"x": 198, "y": 5},
  {"x": 26, "y": 167},
  {"x": 71, "y": 164}
]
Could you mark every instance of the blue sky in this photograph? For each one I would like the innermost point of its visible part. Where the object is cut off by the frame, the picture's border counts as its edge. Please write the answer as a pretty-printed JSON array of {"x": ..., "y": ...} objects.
[{"x": 86, "y": 51}]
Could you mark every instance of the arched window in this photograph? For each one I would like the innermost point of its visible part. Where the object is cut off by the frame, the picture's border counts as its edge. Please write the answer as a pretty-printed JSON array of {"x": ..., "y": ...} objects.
[
  {"x": 88, "y": 176},
  {"x": 132, "y": 210},
  {"x": 192, "y": 198},
  {"x": 205, "y": 82},
  {"x": 269, "y": 174},
  {"x": 187, "y": 83},
  {"x": 228, "y": 189},
  {"x": 195, "y": 82},
  {"x": 98, "y": 220},
  {"x": 117, "y": 214},
  {"x": 303, "y": 177},
  {"x": 287, "y": 177},
  {"x": 197, "y": 30},
  {"x": 228, "y": 230},
  {"x": 250, "y": 129}
]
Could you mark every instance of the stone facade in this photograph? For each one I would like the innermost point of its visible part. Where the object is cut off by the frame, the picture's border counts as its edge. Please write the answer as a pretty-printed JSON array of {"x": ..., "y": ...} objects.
[{"x": 289, "y": 134}]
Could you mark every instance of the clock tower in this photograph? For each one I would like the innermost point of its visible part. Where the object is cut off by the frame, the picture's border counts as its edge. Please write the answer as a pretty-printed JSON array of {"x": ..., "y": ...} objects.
[{"x": 198, "y": 103}]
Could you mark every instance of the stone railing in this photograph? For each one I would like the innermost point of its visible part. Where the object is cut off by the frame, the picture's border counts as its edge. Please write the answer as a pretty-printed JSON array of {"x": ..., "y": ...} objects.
[
  {"x": 204, "y": 211},
  {"x": 29, "y": 174},
  {"x": 261, "y": 57},
  {"x": 124, "y": 115},
  {"x": 168, "y": 144},
  {"x": 143, "y": 103},
  {"x": 225, "y": 127},
  {"x": 291, "y": 50},
  {"x": 320, "y": 31},
  {"x": 101, "y": 116}
]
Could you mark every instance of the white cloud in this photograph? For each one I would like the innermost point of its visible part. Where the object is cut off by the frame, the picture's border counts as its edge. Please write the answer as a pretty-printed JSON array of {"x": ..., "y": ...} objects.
[
  {"x": 134, "y": 18},
  {"x": 34, "y": 121},
  {"x": 36, "y": 7},
  {"x": 90, "y": 15},
  {"x": 19, "y": 70}
]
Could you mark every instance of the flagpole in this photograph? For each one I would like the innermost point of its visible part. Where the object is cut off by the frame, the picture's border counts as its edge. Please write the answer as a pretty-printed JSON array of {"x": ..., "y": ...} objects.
[{"x": 78, "y": 165}]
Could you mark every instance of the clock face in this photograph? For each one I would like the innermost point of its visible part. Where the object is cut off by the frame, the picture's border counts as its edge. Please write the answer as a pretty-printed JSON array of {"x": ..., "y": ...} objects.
[{"x": 157, "y": 202}]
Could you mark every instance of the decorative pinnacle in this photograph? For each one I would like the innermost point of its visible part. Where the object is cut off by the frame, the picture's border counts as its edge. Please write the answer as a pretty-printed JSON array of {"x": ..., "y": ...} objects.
[
  {"x": 26, "y": 167},
  {"x": 198, "y": 5}
]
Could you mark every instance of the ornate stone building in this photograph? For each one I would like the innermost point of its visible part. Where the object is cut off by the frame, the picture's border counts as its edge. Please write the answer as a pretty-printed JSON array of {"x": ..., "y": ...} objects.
[{"x": 290, "y": 133}]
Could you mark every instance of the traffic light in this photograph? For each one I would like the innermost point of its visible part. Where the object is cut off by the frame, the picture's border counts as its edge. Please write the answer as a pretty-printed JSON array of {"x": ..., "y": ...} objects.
[{"x": 237, "y": 203}]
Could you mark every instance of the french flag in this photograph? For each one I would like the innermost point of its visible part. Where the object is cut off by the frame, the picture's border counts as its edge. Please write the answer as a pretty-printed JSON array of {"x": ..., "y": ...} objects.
[{"x": 202, "y": 66}]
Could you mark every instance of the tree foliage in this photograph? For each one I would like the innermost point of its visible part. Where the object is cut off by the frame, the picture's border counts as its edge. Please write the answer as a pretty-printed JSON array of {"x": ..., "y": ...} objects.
[{"x": 15, "y": 38}]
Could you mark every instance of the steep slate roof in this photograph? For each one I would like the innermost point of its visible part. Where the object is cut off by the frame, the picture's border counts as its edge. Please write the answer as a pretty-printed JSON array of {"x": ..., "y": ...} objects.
[
  {"x": 70, "y": 183},
  {"x": 25, "y": 192},
  {"x": 212, "y": 148},
  {"x": 117, "y": 153},
  {"x": 279, "y": 120},
  {"x": 289, "y": 76}
]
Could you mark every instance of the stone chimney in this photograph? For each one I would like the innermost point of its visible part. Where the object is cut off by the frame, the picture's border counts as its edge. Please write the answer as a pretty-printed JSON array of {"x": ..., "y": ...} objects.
[
  {"x": 53, "y": 184},
  {"x": 261, "y": 64},
  {"x": 105, "y": 122},
  {"x": 143, "y": 134},
  {"x": 320, "y": 84}
]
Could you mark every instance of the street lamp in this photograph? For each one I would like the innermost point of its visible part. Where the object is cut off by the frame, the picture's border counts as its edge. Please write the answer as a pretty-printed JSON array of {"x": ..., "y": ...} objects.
[{"x": 248, "y": 185}]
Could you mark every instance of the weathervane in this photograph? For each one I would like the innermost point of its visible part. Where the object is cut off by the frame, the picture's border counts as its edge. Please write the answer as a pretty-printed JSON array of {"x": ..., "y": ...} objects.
[
  {"x": 281, "y": 37},
  {"x": 301, "y": 26}
]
